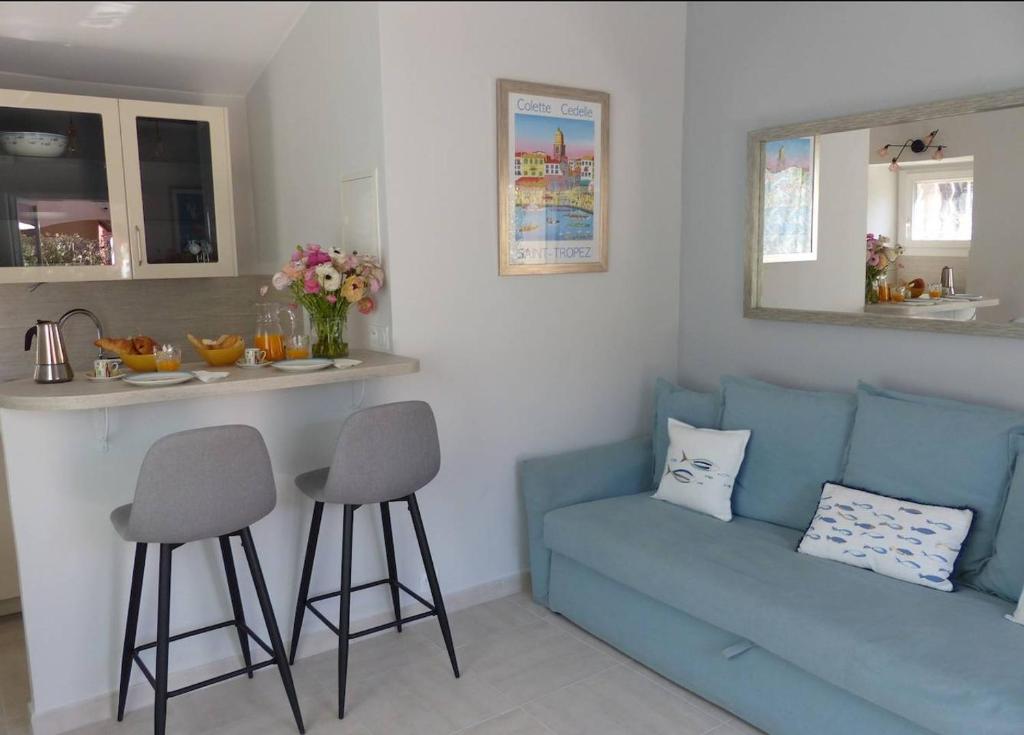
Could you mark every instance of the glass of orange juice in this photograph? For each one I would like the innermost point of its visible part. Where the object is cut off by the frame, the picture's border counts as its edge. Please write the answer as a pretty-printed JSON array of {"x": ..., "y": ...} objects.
[
  {"x": 935, "y": 290},
  {"x": 298, "y": 347},
  {"x": 168, "y": 359}
]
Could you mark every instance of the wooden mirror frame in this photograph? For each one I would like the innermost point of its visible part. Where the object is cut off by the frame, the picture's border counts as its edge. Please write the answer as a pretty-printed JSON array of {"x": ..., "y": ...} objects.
[{"x": 755, "y": 190}]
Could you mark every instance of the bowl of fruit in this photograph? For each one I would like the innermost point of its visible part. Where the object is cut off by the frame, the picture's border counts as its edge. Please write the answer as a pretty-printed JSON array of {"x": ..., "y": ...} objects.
[
  {"x": 225, "y": 350},
  {"x": 135, "y": 352}
]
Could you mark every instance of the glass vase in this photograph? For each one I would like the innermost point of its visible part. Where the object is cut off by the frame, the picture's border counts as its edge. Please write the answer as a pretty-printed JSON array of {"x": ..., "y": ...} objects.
[{"x": 329, "y": 334}]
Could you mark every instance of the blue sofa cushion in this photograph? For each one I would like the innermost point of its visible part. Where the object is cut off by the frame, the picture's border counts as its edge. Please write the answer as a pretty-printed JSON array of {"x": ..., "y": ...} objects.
[
  {"x": 701, "y": 410},
  {"x": 936, "y": 452},
  {"x": 797, "y": 443},
  {"x": 1003, "y": 573},
  {"x": 946, "y": 661}
]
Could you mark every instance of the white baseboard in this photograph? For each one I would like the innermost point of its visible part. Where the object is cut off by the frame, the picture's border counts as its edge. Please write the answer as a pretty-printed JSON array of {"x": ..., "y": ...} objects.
[{"x": 104, "y": 707}]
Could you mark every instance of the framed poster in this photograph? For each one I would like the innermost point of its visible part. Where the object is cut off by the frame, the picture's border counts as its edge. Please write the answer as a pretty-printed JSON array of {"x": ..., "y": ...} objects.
[
  {"x": 552, "y": 179},
  {"x": 789, "y": 223}
]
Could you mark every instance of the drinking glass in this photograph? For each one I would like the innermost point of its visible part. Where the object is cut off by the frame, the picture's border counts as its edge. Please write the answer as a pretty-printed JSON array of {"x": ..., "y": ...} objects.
[
  {"x": 297, "y": 347},
  {"x": 168, "y": 359},
  {"x": 935, "y": 290}
]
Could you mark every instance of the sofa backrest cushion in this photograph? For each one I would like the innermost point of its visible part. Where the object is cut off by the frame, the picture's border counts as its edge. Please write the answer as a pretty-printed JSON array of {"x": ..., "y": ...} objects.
[
  {"x": 1003, "y": 573},
  {"x": 797, "y": 443},
  {"x": 937, "y": 452},
  {"x": 701, "y": 410}
]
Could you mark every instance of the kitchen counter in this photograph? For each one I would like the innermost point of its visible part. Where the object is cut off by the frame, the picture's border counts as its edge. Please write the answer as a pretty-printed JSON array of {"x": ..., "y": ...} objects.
[
  {"x": 27, "y": 395},
  {"x": 940, "y": 306}
]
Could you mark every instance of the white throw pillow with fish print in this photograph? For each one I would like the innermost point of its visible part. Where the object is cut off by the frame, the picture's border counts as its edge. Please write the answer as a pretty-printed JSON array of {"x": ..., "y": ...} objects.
[
  {"x": 900, "y": 539},
  {"x": 700, "y": 468}
]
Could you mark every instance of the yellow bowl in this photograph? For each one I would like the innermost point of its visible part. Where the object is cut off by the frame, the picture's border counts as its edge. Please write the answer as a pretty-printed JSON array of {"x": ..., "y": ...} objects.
[
  {"x": 140, "y": 363},
  {"x": 220, "y": 358}
]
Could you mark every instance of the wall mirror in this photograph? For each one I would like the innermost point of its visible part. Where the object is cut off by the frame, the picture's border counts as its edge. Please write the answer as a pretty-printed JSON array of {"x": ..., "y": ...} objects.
[{"x": 905, "y": 218}]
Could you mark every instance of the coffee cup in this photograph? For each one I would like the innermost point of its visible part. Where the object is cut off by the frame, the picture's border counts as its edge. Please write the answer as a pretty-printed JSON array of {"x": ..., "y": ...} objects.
[
  {"x": 254, "y": 356},
  {"x": 106, "y": 367}
]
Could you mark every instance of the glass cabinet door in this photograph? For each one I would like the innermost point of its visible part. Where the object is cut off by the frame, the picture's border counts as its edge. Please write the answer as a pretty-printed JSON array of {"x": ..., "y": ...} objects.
[
  {"x": 62, "y": 203},
  {"x": 179, "y": 189}
]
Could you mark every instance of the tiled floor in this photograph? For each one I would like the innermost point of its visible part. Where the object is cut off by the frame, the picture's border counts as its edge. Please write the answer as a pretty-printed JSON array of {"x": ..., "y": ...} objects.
[
  {"x": 13, "y": 678},
  {"x": 524, "y": 671}
]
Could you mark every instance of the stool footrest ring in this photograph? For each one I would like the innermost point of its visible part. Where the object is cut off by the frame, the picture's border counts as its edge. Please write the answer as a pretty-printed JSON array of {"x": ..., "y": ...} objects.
[{"x": 431, "y": 610}]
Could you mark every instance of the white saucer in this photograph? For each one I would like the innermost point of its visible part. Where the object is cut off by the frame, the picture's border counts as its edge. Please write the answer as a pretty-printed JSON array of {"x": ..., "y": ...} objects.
[
  {"x": 346, "y": 362},
  {"x": 249, "y": 366},
  {"x": 155, "y": 380},
  {"x": 307, "y": 365},
  {"x": 116, "y": 376}
]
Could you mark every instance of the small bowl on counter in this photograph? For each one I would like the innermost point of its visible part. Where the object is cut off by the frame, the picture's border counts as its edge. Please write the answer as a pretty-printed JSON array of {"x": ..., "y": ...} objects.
[
  {"x": 139, "y": 363},
  {"x": 220, "y": 357}
]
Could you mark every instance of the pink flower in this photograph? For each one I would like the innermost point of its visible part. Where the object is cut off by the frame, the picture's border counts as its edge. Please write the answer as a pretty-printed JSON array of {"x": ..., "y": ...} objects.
[
  {"x": 365, "y": 305},
  {"x": 311, "y": 285},
  {"x": 870, "y": 237},
  {"x": 874, "y": 261},
  {"x": 293, "y": 271},
  {"x": 374, "y": 285},
  {"x": 331, "y": 298},
  {"x": 280, "y": 281}
]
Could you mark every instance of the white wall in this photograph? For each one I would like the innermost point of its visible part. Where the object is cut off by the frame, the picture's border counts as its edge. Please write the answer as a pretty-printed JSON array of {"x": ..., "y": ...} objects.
[
  {"x": 238, "y": 130},
  {"x": 835, "y": 280},
  {"x": 512, "y": 366},
  {"x": 739, "y": 77}
]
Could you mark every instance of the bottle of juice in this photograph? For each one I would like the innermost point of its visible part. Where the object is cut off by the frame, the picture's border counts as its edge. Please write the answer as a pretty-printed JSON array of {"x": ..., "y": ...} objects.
[{"x": 269, "y": 335}]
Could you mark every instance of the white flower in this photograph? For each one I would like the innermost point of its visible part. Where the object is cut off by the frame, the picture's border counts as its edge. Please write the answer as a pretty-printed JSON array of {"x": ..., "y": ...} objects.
[
  {"x": 328, "y": 276},
  {"x": 280, "y": 281}
]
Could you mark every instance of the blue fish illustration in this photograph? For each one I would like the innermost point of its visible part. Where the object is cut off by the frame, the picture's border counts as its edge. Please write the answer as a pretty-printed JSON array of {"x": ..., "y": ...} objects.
[
  {"x": 703, "y": 464},
  {"x": 940, "y": 557},
  {"x": 876, "y": 549},
  {"x": 932, "y": 578},
  {"x": 857, "y": 554},
  {"x": 682, "y": 475},
  {"x": 824, "y": 507},
  {"x": 890, "y": 524},
  {"x": 911, "y": 511},
  {"x": 944, "y": 570},
  {"x": 827, "y": 519},
  {"x": 848, "y": 516},
  {"x": 905, "y": 552},
  {"x": 864, "y": 525},
  {"x": 909, "y": 563},
  {"x": 924, "y": 531},
  {"x": 872, "y": 535},
  {"x": 814, "y": 536},
  {"x": 910, "y": 539},
  {"x": 825, "y": 497},
  {"x": 940, "y": 524},
  {"x": 844, "y": 507},
  {"x": 843, "y": 531},
  {"x": 865, "y": 506},
  {"x": 954, "y": 549},
  {"x": 836, "y": 539},
  {"x": 884, "y": 515}
]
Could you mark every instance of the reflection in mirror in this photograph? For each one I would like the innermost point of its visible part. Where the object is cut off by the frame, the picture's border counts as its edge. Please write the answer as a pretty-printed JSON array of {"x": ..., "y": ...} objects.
[{"x": 912, "y": 220}]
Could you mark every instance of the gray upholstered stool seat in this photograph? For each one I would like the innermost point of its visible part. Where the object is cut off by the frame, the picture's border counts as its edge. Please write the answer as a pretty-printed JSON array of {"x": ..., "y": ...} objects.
[
  {"x": 312, "y": 483},
  {"x": 194, "y": 485},
  {"x": 384, "y": 455}
]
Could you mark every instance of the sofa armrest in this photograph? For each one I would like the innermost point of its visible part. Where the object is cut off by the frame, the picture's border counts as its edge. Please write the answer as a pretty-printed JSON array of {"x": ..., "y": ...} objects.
[{"x": 577, "y": 477}]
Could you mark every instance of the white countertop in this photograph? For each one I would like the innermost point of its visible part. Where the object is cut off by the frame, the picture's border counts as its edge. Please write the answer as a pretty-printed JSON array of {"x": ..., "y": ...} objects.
[
  {"x": 929, "y": 307},
  {"x": 27, "y": 395}
]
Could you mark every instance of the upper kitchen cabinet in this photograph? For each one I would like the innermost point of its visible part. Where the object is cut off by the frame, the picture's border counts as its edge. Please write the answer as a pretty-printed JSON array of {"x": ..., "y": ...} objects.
[
  {"x": 177, "y": 173},
  {"x": 96, "y": 188},
  {"x": 63, "y": 214}
]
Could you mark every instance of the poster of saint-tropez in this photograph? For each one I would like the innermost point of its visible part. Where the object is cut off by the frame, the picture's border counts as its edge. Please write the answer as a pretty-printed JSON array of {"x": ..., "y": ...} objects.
[{"x": 552, "y": 179}]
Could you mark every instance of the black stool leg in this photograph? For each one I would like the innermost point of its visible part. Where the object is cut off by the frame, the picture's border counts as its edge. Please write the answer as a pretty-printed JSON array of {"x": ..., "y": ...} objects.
[
  {"x": 435, "y": 588},
  {"x": 163, "y": 628},
  {"x": 346, "y": 593},
  {"x": 307, "y": 574},
  {"x": 128, "y": 652},
  {"x": 389, "y": 551},
  {"x": 236, "y": 601},
  {"x": 272, "y": 630}
]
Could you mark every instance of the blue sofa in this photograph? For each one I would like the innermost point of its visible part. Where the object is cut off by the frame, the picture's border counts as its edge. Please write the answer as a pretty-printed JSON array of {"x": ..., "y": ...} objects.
[{"x": 797, "y": 645}]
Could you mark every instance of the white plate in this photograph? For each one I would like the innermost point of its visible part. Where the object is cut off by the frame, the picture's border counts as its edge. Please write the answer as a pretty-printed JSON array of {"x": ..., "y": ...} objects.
[
  {"x": 241, "y": 364},
  {"x": 303, "y": 366},
  {"x": 154, "y": 380},
  {"x": 346, "y": 362},
  {"x": 116, "y": 376}
]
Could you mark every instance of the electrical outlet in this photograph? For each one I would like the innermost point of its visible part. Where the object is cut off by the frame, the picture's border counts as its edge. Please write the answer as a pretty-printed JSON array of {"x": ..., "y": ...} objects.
[{"x": 380, "y": 337}]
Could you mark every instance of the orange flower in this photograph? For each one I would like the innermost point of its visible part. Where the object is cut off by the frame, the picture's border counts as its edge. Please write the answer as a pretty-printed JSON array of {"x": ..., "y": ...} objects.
[
  {"x": 366, "y": 305},
  {"x": 353, "y": 289}
]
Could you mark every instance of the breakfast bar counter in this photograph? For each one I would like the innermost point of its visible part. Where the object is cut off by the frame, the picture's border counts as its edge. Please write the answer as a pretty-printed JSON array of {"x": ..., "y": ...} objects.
[
  {"x": 26, "y": 394},
  {"x": 72, "y": 453}
]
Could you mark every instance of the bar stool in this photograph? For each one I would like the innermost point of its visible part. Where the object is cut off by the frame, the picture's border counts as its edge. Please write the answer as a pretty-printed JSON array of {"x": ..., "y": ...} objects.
[
  {"x": 194, "y": 485},
  {"x": 384, "y": 454}
]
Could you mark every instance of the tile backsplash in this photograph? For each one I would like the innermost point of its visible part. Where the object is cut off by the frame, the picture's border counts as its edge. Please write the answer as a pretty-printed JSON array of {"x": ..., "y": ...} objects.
[{"x": 166, "y": 310}]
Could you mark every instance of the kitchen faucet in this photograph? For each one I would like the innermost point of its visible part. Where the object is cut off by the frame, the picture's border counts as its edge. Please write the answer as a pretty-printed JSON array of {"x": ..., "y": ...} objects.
[{"x": 84, "y": 312}]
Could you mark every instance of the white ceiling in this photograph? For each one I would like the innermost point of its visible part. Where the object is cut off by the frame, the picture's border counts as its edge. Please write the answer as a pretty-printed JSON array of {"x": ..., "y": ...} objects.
[{"x": 213, "y": 47}]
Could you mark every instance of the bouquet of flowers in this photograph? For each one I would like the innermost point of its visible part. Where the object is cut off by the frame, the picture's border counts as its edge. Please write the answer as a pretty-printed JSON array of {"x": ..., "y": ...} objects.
[
  {"x": 326, "y": 283},
  {"x": 879, "y": 257}
]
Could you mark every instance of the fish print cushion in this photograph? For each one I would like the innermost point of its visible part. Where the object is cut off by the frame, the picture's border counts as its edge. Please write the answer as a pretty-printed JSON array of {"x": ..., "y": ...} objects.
[
  {"x": 700, "y": 468},
  {"x": 908, "y": 541}
]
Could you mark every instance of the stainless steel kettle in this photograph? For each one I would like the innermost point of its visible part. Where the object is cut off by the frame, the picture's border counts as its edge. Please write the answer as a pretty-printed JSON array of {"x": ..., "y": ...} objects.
[{"x": 52, "y": 364}]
